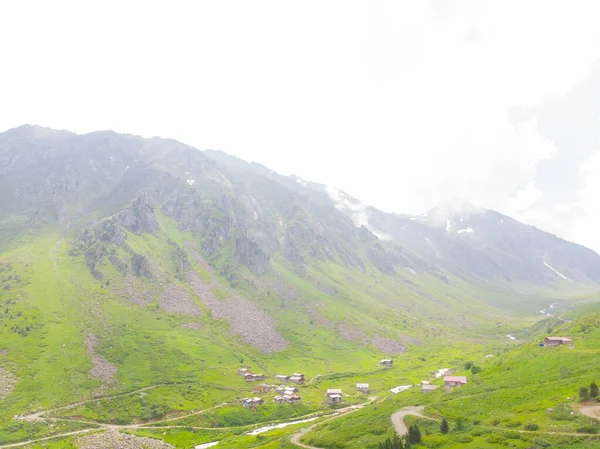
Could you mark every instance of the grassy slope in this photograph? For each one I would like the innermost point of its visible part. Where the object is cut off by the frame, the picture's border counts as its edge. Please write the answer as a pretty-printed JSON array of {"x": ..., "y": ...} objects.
[
  {"x": 48, "y": 312},
  {"x": 515, "y": 387}
]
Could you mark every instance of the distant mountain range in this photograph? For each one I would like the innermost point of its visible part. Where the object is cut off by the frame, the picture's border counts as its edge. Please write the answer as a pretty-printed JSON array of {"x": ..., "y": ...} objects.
[{"x": 56, "y": 178}]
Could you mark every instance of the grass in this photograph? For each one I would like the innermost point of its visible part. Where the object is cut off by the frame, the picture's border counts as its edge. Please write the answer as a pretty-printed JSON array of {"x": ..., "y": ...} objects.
[{"x": 50, "y": 303}]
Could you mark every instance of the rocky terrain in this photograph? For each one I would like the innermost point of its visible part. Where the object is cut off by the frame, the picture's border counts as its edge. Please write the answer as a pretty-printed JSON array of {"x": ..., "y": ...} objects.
[
  {"x": 8, "y": 381},
  {"x": 113, "y": 439}
]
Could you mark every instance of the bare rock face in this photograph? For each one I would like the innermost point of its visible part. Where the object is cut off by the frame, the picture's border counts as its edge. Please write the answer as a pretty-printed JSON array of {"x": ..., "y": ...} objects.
[
  {"x": 141, "y": 265},
  {"x": 139, "y": 216},
  {"x": 113, "y": 439},
  {"x": 175, "y": 299}
]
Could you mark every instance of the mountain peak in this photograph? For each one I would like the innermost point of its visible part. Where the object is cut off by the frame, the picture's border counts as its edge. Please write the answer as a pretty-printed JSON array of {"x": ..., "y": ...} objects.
[
  {"x": 36, "y": 131},
  {"x": 448, "y": 211}
]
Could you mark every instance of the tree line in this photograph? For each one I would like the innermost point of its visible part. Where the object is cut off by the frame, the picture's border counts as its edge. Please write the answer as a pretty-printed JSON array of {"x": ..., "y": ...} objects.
[
  {"x": 591, "y": 393},
  {"x": 412, "y": 437}
]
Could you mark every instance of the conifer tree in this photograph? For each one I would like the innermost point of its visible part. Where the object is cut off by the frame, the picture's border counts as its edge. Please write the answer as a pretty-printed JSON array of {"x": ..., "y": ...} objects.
[
  {"x": 444, "y": 427},
  {"x": 593, "y": 390}
]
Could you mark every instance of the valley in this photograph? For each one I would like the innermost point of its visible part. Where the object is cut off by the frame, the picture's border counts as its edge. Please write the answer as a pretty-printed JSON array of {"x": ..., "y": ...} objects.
[{"x": 139, "y": 275}]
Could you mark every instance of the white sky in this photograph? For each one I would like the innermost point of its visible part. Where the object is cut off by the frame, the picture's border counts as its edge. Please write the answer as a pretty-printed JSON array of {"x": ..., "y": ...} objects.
[{"x": 401, "y": 104}]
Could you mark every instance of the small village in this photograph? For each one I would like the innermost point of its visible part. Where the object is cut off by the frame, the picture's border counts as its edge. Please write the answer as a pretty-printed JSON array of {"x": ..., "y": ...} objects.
[{"x": 287, "y": 392}]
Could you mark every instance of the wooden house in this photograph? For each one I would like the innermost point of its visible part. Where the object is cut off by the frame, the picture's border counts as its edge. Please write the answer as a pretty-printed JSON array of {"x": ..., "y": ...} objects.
[
  {"x": 557, "y": 341},
  {"x": 362, "y": 387},
  {"x": 262, "y": 388},
  {"x": 428, "y": 388},
  {"x": 297, "y": 378},
  {"x": 455, "y": 381},
  {"x": 334, "y": 396}
]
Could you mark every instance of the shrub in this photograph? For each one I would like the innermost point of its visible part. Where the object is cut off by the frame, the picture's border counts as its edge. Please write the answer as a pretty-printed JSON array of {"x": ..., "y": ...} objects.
[
  {"x": 513, "y": 424},
  {"x": 434, "y": 441},
  {"x": 513, "y": 435},
  {"x": 542, "y": 443},
  {"x": 584, "y": 394},
  {"x": 463, "y": 438},
  {"x": 476, "y": 432},
  {"x": 475, "y": 369},
  {"x": 562, "y": 413},
  {"x": 495, "y": 422},
  {"x": 494, "y": 438},
  {"x": 587, "y": 429},
  {"x": 531, "y": 426}
]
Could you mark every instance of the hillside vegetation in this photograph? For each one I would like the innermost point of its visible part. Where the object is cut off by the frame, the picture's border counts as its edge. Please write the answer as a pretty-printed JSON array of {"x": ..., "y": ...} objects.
[{"x": 138, "y": 275}]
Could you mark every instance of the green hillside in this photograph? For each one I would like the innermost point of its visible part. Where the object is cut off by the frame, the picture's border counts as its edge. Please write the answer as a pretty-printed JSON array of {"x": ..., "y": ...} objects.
[{"x": 136, "y": 285}]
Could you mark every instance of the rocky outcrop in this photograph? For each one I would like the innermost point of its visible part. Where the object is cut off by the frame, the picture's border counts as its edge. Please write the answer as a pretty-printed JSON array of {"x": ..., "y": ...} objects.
[
  {"x": 140, "y": 265},
  {"x": 139, "y": 217}
]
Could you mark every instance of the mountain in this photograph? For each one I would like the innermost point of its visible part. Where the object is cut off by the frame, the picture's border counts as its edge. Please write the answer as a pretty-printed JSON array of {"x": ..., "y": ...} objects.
[
  {"x": 470, "y": 241},
  {"x": 133, "y": 264}
]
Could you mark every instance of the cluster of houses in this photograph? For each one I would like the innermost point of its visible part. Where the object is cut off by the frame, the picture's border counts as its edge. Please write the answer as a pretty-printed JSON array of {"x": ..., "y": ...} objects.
[
  {"x": 249, "y": 376},
  {"x": 297, "y": 378},
  {"x": 285, "y": 394},
  {"x": 289, "y": 394}
]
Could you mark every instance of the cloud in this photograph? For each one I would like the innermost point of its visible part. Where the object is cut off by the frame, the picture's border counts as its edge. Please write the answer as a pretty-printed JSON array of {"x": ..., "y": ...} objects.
[{"x": 401, "y": 104}]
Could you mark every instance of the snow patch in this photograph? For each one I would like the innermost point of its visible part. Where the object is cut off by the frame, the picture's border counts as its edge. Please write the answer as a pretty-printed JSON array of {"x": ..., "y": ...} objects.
[
  {"x": 462, "y": 231},
  {"x": 441, "y": 372},
  {"x": 449, "y": 225},
  {"x": 206, "y": 445},
  {"x": 400, "y": 388},
  {"x": 355, "y": 209},
  {"x": 511, "y": 336},
  {"x": 556, "y": 271},
  {"x": 191, "y": 181},
  {"x": 489, "y": 355},
  {"x": 220, "y": 179},
  {"x": 301, "y": 181}
]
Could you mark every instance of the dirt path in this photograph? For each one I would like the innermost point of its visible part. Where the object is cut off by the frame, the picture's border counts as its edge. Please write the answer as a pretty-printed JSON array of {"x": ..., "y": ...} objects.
[
  {"x": 295, "y": 439},
  {"x": 398, "y": 418},
  {"x": 593, "y": 411},
  {"x": 25, "y": 443},
  {"x": 38, "y": 416}
]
